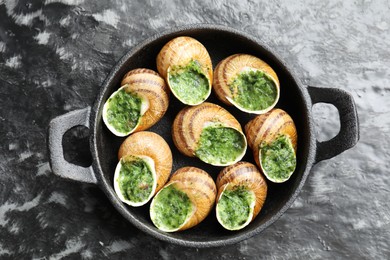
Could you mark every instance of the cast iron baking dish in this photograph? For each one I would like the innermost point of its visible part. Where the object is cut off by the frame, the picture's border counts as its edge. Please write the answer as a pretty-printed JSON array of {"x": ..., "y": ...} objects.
[{"x": 221, "y": 42}]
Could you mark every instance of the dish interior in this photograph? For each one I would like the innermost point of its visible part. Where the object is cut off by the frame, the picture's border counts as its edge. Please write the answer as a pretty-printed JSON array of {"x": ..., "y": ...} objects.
[{"x": 220, "y": 44}]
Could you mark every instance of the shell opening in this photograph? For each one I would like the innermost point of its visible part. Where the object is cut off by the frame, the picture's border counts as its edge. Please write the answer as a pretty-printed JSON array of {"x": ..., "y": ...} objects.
[
  {"x": 189, "y": 83},
  {"x": 253, "y": 91},
  {"x": 171, "y": 208},
  {"x": 135, "y": 180},
  {"x": 123, "y": 110},
  {"x": 221, "y": 146},
  {"x": 278, "y": 159},
  {"x": 235, "y": 207}
]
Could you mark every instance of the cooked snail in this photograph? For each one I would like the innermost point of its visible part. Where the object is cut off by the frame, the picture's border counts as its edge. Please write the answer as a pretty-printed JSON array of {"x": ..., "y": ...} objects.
[
  {"x": 184, "y": 201},
  {"x": 242, "y": 191},
  {"x": 273, "y": 139},
  {"x": 138, "y": 104},
  {"x": 145, "y": 162},
  {"x": 209, "y": 132},
  {"x": 246, "y": 82},
  {"x": 186, "y": 66}
]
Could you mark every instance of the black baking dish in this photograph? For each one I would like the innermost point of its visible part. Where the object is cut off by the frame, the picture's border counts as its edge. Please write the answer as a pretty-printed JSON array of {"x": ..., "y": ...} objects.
[{"x": 221, "y": 42}]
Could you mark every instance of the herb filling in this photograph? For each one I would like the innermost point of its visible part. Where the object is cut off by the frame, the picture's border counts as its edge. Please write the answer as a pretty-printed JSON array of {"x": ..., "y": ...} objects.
[
  {"x": 253, "y": 90},
  {"x": 220, "y": 145},
  {"x": 124, "y": 111},
  {"x": 189, "y": 83},
  {"x": 171, "y": 208},
  {"x": 278, "y": 158},
  {"x": 135, "y": 180},
  {"x": 235, "y": 207}
]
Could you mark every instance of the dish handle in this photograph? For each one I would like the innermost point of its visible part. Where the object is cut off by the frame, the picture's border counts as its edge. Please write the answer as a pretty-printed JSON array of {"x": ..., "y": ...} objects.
[
  {"x": 57, "y": 128},
  {"x": 349, "y": 122}
]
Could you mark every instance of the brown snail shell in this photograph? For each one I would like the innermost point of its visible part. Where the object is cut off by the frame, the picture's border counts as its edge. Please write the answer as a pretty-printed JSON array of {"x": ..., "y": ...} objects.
[
  {"x": 265, "y": 128},
  {"x": 242, "y": 175},
  {"x": 155, "y": 149},
  {"x": 229, "y": 68},
  {"x": 151, "y": 85},
  {"x": 179, "y": 52},
  {"x": 151, "y": 88},
  {"x": 190, "y": 121},
  {"x": 201, "y": 191}
]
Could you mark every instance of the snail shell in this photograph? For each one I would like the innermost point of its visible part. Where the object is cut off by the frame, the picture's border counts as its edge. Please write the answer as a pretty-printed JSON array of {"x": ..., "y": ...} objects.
[
  {"x": 266, "y": 128},
  {"x": 154, "y": 151},
  {"x": 151, "y": 89},
  {"x": 198, "y": 187},
  {"x": 240, "y": 176},
  {"x": 179, "y": 53},
  {"x": 228, "y": 70},
  {"x": 191, "y": 121}
]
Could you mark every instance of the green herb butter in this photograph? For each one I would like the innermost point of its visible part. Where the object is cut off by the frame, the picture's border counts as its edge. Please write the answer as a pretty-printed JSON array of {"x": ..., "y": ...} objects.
[
  {"x": 278, "y": 158},
  {"x": 124, "y": 111},
  {"x": 135, "y": 180},
  {"x": 171, "y": 208},
  {"x": 253, "y": 90},
  {"x": 220, "y": 145},
  {"x": 235, "y": 207},
  {"x": 189, "y": 83}
]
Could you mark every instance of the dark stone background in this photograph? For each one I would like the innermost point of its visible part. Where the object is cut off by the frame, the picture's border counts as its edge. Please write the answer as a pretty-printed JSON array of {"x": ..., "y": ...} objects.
[{"x": 55, "y": 54}]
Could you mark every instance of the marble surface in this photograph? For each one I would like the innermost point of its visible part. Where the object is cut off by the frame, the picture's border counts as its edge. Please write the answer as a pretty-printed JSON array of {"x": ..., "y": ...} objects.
[{"x": 55, "y": 54}]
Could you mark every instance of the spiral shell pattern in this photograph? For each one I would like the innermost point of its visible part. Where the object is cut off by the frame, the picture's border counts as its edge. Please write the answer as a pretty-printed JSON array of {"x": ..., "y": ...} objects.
[
  {"x": 153, "y": 146},
  {"x": 247, "y": 175},
  {"x": 151, "y": 86},
  {"x": 180, "y": 51},
  {"x": 138, "y": 104},
  {"x": 265, "y": 128},
  {"x": 190, "y": 121},
  {"x": 229, "y": 68},
  {"x": 200, "y": 189}
]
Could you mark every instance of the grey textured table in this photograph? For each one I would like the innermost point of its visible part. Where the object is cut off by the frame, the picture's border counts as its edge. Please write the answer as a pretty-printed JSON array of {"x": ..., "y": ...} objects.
[{"x": 55, "y": 54}]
